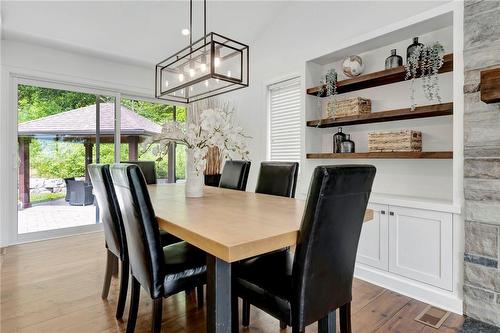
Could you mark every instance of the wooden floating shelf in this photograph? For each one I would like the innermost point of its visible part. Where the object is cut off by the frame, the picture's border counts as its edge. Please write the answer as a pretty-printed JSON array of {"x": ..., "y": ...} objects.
[
  {"x": 490, "y": 85},
  {"x": 382, "y": 155},
  {"x": 376, "y": 79},
  {"x": 434, "y": 110}
]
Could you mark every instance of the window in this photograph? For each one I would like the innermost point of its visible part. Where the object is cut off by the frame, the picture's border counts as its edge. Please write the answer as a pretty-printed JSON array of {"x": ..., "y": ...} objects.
[
  {"x": 284, "y": 120},
  {"x": 152, "y": 116}
]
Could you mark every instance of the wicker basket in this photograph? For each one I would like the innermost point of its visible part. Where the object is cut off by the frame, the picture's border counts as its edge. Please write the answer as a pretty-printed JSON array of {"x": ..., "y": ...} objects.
[
  {"x": 353, "y": 106},
  {"x": 399, "y": 141}
]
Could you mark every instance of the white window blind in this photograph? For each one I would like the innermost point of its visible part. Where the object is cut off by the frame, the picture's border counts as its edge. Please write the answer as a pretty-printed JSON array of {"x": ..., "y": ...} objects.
[{"x": 284, "y": 127}]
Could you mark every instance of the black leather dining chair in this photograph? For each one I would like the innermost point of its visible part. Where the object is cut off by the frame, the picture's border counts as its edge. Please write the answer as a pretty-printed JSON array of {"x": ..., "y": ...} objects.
[
  {"x": 148, "y": 169},
  {"x": 161, "y": 271},
  {"x": 309, "y": 286},
  {"x": 114, "y": 232},
  {"x": 275, "y": 178},
  {"x": 235, "y": 175},
  {"x": 109, "y": 216},
  {"x": 278, "y": 178}
]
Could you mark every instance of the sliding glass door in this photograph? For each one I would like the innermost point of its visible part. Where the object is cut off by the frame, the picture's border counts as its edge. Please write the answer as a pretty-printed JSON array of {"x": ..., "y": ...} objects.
[
  {"x": 60, "y": 131},
  {"x": 141, "y": 121}
]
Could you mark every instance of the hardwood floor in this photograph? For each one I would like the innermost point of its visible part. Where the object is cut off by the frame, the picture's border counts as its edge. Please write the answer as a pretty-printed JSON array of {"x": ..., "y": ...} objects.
[{"x": 55, "y": 286}]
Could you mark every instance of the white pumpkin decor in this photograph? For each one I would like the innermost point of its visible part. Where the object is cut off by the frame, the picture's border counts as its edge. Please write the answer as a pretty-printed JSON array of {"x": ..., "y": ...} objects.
[{"x": 353, "y": 66}]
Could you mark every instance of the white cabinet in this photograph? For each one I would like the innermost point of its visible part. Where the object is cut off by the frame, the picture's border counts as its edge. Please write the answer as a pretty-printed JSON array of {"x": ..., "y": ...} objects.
[
  {"x": 421, "y": 245},
  {"x": 373, "y": 248},
  {"x": 410, "y": 242}
]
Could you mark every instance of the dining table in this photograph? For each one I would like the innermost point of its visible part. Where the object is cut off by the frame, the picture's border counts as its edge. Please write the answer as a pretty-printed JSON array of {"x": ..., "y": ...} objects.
[{"x": 230, "y": 226}]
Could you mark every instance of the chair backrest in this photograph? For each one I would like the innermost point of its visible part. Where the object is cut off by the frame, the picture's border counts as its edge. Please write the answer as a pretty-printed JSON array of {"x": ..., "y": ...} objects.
[
  {"x": 67, "y": 186},
  {"x": 141, "y": 228},
  {"x": 235, "y": 175},
  {"x": 324, "y": 260},
  {"x": 148, "y": 169},
  {"x": 278, "y": 178},
  {"x": 109, "y": 211}
]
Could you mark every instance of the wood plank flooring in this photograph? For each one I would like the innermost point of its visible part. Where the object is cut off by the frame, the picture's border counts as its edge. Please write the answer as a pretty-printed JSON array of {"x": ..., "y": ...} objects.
[{"x": 55, "y": 286}]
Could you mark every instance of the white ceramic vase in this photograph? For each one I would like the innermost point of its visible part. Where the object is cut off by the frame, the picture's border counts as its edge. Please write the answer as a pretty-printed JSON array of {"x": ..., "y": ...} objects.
[{"x": 195, "y": 180}]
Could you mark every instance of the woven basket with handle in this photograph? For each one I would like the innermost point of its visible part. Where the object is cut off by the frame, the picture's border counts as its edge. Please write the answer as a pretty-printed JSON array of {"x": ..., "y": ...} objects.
[{"x": 352, "y": 106}]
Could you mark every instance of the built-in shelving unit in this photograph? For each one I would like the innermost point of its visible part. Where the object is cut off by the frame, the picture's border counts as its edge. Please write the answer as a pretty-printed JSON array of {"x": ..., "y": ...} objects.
[
  {"x": 376, "y": 79},
  {"x": 427, "y": 111},
  {"x": 420, "y": 194},
  {"x": 384, "y": 155}
]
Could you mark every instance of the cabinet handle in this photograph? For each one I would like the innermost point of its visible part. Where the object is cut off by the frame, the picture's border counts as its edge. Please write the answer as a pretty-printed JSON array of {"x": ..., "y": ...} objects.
[
  {"x": 391, "y": 213},
  {"x": 382, "y": 212}
]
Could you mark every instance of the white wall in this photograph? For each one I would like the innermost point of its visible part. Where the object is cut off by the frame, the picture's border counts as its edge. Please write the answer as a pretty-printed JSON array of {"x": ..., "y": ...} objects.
[
  {"x": 305, "y": 31},
  {"x": 34, "y": 60}
]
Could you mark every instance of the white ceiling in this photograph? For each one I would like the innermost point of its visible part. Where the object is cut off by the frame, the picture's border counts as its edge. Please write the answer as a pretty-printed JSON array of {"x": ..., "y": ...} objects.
[{"x": 138, "y": 32}]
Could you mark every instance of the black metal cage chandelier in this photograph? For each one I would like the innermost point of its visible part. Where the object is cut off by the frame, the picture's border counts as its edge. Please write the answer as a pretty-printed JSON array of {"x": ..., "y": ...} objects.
[{"x": 210, "y": 66}]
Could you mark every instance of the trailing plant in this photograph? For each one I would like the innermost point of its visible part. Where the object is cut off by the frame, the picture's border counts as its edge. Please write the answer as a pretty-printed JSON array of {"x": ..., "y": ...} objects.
[
  {"x": 328, "y": 86},
  {"x": 426, "y": 61}
]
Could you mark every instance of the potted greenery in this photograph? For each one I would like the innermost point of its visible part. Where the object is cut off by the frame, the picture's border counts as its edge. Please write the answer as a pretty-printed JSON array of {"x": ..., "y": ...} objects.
[{"x": 425, "y": 62}]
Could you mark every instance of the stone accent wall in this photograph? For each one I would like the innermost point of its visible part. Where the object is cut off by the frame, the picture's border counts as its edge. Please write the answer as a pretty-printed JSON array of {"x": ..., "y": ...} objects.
[{"x": 481, "y": 165}]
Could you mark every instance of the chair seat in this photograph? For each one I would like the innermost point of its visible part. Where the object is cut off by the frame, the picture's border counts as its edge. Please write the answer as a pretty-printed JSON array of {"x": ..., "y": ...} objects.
[
  {"x": 168, "y": 239},
  {"x": 270, "y": 291},
  {"x": 185, "y": 267}
]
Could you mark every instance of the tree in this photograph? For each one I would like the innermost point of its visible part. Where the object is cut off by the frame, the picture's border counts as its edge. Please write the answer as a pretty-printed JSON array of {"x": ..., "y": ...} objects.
[
  {"x": 36, "y": 102},
  {"x": 56, "y": 159}
]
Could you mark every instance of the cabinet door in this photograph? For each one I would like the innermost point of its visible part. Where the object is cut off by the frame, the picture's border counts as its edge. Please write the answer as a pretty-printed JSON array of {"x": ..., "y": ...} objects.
[
  {"x": 421, "y": 245},
  {"x": 373, "y": 244}
]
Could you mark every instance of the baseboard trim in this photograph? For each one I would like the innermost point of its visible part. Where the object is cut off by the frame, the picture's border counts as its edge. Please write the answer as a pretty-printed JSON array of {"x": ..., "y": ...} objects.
[{"x": 437, "y": 297}]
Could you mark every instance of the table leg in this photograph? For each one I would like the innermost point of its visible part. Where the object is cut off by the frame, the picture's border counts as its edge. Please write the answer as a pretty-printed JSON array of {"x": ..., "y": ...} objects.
[
  {"x": 328, "y": 324},
  {"x": 221, "y": 317}
]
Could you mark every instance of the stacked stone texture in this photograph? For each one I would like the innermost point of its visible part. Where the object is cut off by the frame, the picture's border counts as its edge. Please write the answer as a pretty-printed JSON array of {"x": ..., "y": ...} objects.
[{"x": 481, "y": 165}]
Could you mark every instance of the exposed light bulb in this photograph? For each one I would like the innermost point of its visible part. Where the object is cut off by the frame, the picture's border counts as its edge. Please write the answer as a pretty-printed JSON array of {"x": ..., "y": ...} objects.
[
  {"x": 181, "y": 77},
  {"x": 206, "y": 83},
  {"x": 203, "y": 67},
  {"x": 217, "y": 57},
  {"x": 185, "y": 31},
  {"x": 192, "y": 72},
  {"x": 190, "y": 88},
  {"x": 229, "y": 73},
  {"x": 182, "y": 91},
  {"x": 166, "y": 83},
  {"x": 216, "y": 80}
]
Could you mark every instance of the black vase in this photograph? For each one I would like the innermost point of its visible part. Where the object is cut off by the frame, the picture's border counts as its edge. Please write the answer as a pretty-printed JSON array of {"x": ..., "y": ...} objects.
[
  {"x": 337, "y": 140},
  {"x": 347, "y": 146},
  {"x": 393, "y": 60},
  {"x": 412, "y": 48}
]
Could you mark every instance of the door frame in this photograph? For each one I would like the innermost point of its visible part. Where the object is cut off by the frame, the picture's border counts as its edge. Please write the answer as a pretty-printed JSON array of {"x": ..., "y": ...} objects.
[{"x": 12, "y": 171}]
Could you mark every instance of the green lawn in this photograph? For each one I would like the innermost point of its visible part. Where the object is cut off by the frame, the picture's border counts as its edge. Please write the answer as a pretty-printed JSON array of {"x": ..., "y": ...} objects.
[{"x": 42, "y": 197}]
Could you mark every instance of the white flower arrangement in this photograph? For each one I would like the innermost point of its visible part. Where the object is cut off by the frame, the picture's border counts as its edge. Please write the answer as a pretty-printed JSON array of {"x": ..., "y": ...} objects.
[{"x": 214, "y": 128}]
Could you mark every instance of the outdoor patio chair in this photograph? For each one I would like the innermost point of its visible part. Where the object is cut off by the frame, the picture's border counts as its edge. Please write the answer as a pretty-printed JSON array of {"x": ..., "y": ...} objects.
[
  {"x": 80, "y": 193},
  {"x": 67, "y": 191}
]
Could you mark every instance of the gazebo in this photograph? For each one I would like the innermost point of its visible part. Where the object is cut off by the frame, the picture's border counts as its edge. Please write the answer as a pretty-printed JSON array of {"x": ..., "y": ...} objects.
[{"x": 79, "y": 126}]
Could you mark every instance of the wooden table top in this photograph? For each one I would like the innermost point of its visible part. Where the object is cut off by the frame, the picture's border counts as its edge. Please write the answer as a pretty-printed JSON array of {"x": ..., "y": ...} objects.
[{"x": 231, "y": 225}]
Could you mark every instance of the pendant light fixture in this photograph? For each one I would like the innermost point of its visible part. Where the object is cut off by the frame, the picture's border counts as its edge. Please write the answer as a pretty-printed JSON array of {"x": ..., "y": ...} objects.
[{"x": 210, "y": 66}]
